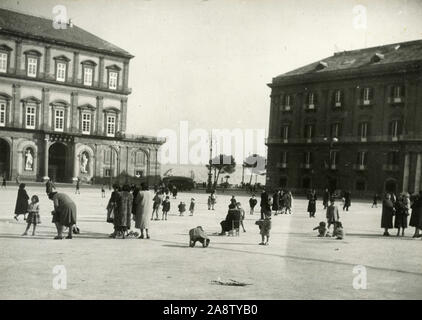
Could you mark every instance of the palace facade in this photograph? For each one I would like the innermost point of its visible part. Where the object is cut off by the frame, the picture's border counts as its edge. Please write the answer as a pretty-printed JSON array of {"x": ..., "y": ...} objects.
[
  {"x": 63, "y": 106},
  {"x": 351, "y": 121}
]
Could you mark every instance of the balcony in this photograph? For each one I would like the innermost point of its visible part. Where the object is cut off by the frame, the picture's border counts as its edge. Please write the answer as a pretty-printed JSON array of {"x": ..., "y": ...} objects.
[
  {"x": 309, "y": 107},
  {"x": 286, "y": 108},
  {"x": 391, "y": 167},
  {"x": 365, "y": 102},
  {"x": 281, "y": 165},
  {"x": 306, "y": 165},
  {"x": 359, "y": 167},
  {"x": 395, "y": 100},
  {"x": 337, "y": 104}
]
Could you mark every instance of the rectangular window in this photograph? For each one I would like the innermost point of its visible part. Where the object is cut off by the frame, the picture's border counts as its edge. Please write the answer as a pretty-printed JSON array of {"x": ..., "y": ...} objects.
[
  {"x": 333, "y": 158},
  {"x": 61, "y": 72},
  {"x": 2, "y": 113},
  {"x": 30, "y": 116},
  {"x": 285, "y": 133},
  {"x": 308, "y": 158},
  {"x": 363, "y": 130},
  {"x": 287, "y": 102},
  {"x": 284, "y": 157},
  {"x": 32, "y": 67},
  {"x": 338, "y": 96},
  {"x": 107, "y": 173},
  {"x": 366, "y": 94},
  {"x": 112, "y": 80},
  {"x": 111, "y": 126},
  {"x": 59, "y": 120},
  {"x": 86, "y": 123},
  {"x": 3, "y": 62},
  {"x": 309, "y": 131},
  {"x": 311, "y": 99},
  {"x": 88, "y": 73},
  {"x": 335, "y": 130},
  {"x": 362, "y": 158}
]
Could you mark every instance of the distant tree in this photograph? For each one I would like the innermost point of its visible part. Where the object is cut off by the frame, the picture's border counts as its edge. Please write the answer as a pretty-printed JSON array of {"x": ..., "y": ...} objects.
[
  {"x": 222, "y": 164},
  {"x": 256, "y": 164}
]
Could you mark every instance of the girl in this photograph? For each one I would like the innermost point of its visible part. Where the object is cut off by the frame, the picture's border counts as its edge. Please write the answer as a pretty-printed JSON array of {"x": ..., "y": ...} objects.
[
  {"x": 33, "y": 215},
  {"x": 192, "y": 206},
  {"x": 265, "y": 228}
]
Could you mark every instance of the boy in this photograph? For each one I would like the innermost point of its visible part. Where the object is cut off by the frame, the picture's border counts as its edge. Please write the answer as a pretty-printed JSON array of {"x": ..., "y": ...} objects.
[
  {"x": 265, "y": 227},
  {"x": 166, "y": 207}
]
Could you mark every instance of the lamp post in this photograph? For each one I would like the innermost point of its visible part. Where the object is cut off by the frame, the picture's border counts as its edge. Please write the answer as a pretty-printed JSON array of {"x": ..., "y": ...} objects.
[{"x": 209, "y": 185}]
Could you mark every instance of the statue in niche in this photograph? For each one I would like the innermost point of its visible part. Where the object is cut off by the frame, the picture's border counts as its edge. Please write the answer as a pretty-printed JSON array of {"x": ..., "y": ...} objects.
[
  {"x": 84, "y": 162},
  {"x": 29, "y": 160}
]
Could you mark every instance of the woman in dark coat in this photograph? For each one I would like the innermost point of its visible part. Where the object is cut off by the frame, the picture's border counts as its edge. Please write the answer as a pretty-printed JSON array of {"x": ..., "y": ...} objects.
[
  {"x": 232, "y": 220},
  {"x": 416, "y": 216},
  {"x": 276, "y": 202},
  {"x": 387, "y": 214},
  {"x": 312, "y": 204},
  {"x": 402, "y": 211},
  {"x": 21, "y": 206},
  {"x": 64, "y": 213},
  {"x": 123, "y": 220},
  {"x": 113, "y": 208}
]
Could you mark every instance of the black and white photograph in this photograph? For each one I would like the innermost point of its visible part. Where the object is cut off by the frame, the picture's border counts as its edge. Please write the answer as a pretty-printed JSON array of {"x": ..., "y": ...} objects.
[{"x": 210, "y": 150}]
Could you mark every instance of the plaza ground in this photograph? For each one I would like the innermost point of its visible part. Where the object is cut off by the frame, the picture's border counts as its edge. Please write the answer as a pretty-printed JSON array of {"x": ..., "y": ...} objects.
[{"x": 296, "y": 264}]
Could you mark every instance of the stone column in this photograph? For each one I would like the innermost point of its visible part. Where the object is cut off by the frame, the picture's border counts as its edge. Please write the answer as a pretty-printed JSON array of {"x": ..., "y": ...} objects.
[
  {"x": 17, "y": 117},
  {"x": 406, "y": 172},
  {"x": 100, "y": 116},
  {"x": 123, "y": 118},
  {"x": 47, "y": 63},
  {"x": 75, "y": 67},
  {"x": 101, "y": 73},
  {"x": 45, "y": 177},
  {"x": 74, "y": 117},
  {"x": 75, "y": 163},
  {"x": 18, "y": 56},
  {"x": 126, "y": 75},
  {"x": 46, "y": 109},
  {"x": 418, "y": 173}
]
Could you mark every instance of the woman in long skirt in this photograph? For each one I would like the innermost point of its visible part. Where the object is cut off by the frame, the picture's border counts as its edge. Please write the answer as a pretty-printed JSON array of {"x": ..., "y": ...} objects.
[
  {"x": 387, "y": 214},
  {"x": 64, "y": 213},
  {"x": 113, "y": 209},
  {"x": 21, "y": 206},
  {"x": 276, "y": 203},
  {"x": 400, "y": 221},
  {"x": 143, "y": 203},
  {"x": 122, "y": 222},
  {"x": 312, "y": 198},
  {"x": 416, "y": 216}
]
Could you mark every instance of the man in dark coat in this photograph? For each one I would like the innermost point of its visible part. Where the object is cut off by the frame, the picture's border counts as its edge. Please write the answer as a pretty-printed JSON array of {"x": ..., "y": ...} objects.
[
  {"x": 264, "y": 203},
  {"x": 326, "y": 198}
]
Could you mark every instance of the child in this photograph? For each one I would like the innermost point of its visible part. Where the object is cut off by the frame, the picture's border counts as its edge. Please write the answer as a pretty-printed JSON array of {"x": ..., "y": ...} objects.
[
  {"x": 158, "y": 198},
  {"x": 103, "y": 191},
  {"x": 338, "y": 231},
  {"x": 192, "y": 206},
  {"x": 182, "y": 208},
  {"x": 322, "y": 229},
  {"x": 265, "y": 228},
  {"x": 33, "y": 215},
  {"x": 242, "y": 214},
  {"x": 166, "y": 208},
  {"x": 375, "y": 201}
]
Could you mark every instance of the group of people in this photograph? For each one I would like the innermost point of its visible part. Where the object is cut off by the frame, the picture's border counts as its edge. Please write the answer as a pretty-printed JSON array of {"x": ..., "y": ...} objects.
[
  {"x": 281, "y": 202},
  {"x": 399, "y": 208}
]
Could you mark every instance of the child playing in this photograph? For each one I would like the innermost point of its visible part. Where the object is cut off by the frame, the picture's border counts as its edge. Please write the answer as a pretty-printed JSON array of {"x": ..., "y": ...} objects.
[
  {"x": 338, "y": 230},
  {"x": 192, "y": 206},
  {"x": 166, "y": 208},
  {"x": 322, "y": 229},
  {"x": 182, "y": 208},
  {"x": 33, "y": 215},
  {"x": 265, "y": 228}
]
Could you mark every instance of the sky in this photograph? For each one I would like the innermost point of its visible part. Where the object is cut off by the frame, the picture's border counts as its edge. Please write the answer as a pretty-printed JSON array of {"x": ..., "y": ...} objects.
[{"x": 208, "y": 62}]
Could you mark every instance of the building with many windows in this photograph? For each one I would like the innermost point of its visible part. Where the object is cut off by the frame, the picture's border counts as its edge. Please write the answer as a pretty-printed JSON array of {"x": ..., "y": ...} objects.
[
  {"x": 63, "y": 105},
  {"x": 350, "y": 122}
]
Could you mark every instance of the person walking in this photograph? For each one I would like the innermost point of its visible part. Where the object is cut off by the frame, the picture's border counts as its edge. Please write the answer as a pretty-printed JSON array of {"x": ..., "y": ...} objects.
[
  {"x": 387, "y": 214},
  {"x": 113, "y": 209},
  {"x": 288, "y": 202},
  {"x": 416, "y": 216},
  {"x": 3, "y": 184},
  {"x": 402, "y": 211},
  {"x": 375, "y": 201},
  {"x": 103, "y": 193},
  {"x": 325, "y": 198},
  {"x": 264, "y": 204},
  {"x": 347, "y": 200},
  {"x": 77, "y": 186},
  {"x": 312, "y": 198},
  {"x": 143, "y": 204},
  {"x": 252, "y": 204},
  {"x": 276, "y": 202},
  {"x": 21, "y": 207},
  {"x": 64, "y": 214},
  {"x": 158, "y": 199},
  {"x": 33, "y": 215}
]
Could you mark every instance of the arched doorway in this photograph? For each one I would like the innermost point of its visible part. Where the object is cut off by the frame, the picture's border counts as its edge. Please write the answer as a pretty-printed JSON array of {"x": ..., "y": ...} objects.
[
  {"x": 4, "y": 159},
  {"x": 391, "y": 186},
  {"x": 57, "y": 155}
]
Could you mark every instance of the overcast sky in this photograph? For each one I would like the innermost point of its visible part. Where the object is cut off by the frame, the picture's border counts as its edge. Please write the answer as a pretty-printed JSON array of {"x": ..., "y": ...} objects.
[{"x": 208, "y": 62}]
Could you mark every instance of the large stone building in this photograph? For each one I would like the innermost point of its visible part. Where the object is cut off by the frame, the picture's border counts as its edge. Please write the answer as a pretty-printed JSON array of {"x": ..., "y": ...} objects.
[
  {"x": 63, "y": 105},
  {"x": 350, "y": 121}
]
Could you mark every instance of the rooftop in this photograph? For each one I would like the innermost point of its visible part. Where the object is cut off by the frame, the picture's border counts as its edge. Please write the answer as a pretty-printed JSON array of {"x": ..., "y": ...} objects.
[
  {"x": 42, "y": 29},
  {"x": 357, "y": 59}
]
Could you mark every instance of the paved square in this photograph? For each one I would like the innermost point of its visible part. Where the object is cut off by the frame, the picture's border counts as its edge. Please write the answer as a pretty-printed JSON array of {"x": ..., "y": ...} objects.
[{"x": 296, "y": 264}]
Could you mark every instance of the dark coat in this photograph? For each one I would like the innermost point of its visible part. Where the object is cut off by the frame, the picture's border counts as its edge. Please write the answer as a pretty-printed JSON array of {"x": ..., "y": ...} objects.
[
  {"x": 416, "y": 216},
  {"x": 387, "y": 214},
  {"x": 312, "y": 202},
  {"x": 21, "y": 202},
  {"x": 401, "y": 214},
  {"x": 123, "y": 217},
  {"x": 276, "y": 201},
  {"x": 65, "y": 210},
  {"x": 252, "y": 202},
  {"x": 232, "y": 220}
]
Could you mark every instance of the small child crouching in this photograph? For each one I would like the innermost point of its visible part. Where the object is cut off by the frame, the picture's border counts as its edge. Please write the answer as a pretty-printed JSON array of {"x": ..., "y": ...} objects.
[
  {"x": 33, "y": 215},
  {"x": 322, "y": 229},
  {"x": 338, "y": 231}
]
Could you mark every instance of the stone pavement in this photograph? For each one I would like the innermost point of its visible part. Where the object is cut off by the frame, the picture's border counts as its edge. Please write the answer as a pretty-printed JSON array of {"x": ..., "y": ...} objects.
[{"x": 296, "y": 264}]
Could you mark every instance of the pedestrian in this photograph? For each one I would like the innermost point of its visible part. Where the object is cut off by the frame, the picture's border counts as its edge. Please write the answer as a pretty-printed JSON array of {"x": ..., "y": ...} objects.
[
  {"x": 158, "y": 199},
  {"x": 347, "y": 200},
  {"x": 332, "y": 214},
  {"x": 144, "y": 204},
  {"x": 325, "y": 198},
  {"x": 113, "y": 209},
  {"x": 64, "y": 214},
  {"x": 401, "y": 214},
  {"x": 264, "y": 204},
  {"x": 123, "y": 219},
  {"x": 103, "y": 194},
  {"x": 33, "y": 215},
  {"x": 192, "y": 206},
  {"x": 387, "y": 214},
  {"x": 276, "y": 202},
  {"x": 416, "y": 216},
  {"x": 232, "y": 220},
  {"x": 252, "y": 204},
  {"x": 49, "y": 187},
  {"x": 166, "y": 207},
  {"x": 3, "y": 184},
  {"x": 182, "y": 208},
  {"x": 242, "y": 215},
  {"x": 375, "y": 201},
  {"x": 288, "y": 202},
  {"x": 211, "y": 201},
  {"x": 265, "y": 228},
  {"x": 21, "y": 206},
  {"x": 77, "y": 186},
  {"x": 174, "y": 192},
  {"x": 312, "y": 198},
  {"x": 322, "y": 229}
]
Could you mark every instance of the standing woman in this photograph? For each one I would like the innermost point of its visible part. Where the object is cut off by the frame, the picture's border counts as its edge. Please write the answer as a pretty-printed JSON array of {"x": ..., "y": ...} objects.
[
  {"x": 64, "y": 213},
  {"x": 289, "y": 202},
  {"x": 113, "y": 209},
  {"x": 125, "y": 211},
  {"x": 312, "y": 204},
  {"x": 3, "y": 184},
  {"x": 400, "y": 221},
  {"x": 275, "y": 205},
  {"x": 416, "y": 217},
  {"x": 21, "y": 206},
  {"x": 143, "y": 203},
  {"x": 387, "y": 214}
]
